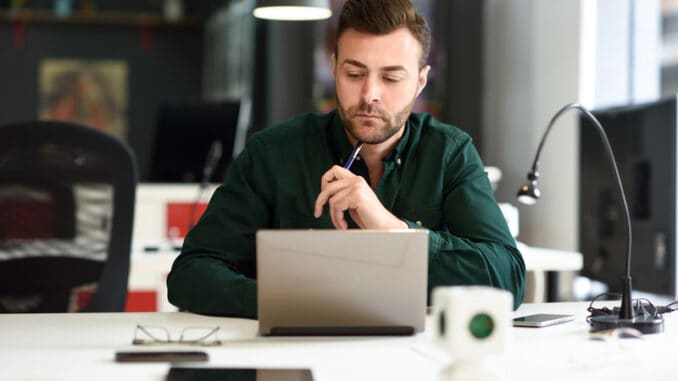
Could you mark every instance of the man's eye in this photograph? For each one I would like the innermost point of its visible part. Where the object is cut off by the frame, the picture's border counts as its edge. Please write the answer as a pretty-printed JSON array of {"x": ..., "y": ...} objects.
[
  {"x": 392, "y": 79},
  {"x": 354, "y": 74}
]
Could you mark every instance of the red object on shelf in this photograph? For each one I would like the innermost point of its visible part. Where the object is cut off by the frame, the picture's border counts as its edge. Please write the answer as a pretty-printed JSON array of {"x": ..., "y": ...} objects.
[
  {"x": 146, "y": 38},
  {"x": 137, "y": 300},
  {"x": 179, "y": 217},
  {"x": 142, "y": 301},
  {"x": 19, "y": 34},
  {"x": 80, "y": 296}
]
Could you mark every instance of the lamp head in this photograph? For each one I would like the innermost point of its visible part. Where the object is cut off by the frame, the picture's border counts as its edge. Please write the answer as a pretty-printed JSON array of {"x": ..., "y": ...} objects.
[{"x": 529, "y": 193}]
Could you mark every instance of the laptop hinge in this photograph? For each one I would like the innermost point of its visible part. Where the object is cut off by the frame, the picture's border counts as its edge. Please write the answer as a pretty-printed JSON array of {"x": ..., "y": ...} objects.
[{"x": 343, "y": 331}]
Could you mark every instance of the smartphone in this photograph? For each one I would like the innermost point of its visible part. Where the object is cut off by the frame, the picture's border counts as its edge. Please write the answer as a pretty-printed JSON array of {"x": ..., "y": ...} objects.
[
  {"x": 160, "y": 356},
  {"x": 541, "y": 320},
  {"x": 237, "y": 374}
]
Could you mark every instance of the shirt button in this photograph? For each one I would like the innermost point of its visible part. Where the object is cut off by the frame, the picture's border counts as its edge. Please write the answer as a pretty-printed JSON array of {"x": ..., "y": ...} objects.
[
  {"x": 398, "y": 161},
  {"x": 418, "y": 223}
]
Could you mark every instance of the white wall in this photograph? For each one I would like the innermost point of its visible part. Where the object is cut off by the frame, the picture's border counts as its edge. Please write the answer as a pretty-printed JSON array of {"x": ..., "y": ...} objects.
[
  {"x": 539, "y": 56},
  {"x": 646, "y": 55},
  {"x": 531, "y": 70},
  {"x": 626, "y": 59}
]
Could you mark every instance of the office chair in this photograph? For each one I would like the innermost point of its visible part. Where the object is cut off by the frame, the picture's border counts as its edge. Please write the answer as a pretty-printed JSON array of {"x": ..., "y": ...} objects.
[{"x": 66, "y": 212}]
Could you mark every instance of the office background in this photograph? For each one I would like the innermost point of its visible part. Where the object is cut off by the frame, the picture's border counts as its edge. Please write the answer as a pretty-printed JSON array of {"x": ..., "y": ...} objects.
[{"x": 501, "y": 68}]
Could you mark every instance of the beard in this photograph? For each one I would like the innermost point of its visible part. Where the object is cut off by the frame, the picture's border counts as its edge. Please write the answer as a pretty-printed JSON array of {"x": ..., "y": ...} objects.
[{"x": 374, "y": 131}]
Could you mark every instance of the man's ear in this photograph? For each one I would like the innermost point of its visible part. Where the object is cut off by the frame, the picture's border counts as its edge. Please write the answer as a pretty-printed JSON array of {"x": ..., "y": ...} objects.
[{"x": 423, "y": 78}]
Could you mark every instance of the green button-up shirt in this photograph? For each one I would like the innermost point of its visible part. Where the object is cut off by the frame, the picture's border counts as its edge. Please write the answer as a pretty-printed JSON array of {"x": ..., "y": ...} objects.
[{"x": 433, "y": 179}]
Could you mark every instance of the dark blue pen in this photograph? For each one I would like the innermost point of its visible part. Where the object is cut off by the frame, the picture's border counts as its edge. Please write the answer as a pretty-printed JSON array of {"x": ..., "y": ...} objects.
[{"x": 353, "y": 155}]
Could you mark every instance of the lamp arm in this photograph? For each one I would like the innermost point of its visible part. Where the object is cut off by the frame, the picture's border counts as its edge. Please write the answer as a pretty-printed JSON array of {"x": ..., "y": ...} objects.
[
  {"x": 613, "y": 164},
  {"x": 535, "y": 164}
]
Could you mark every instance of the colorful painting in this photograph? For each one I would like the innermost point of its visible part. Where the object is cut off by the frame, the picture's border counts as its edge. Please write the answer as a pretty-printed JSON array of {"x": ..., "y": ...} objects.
[{"x": 91, "y": 93}]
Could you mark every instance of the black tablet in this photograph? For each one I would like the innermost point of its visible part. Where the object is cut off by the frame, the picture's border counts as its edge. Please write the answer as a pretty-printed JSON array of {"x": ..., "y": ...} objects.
[
  {"x": 160, "y": 356},
  {"x": 237, "y": 374}
]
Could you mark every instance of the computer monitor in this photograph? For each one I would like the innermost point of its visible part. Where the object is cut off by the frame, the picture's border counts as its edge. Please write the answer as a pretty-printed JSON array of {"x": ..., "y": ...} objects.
[
  {"x": 183, "y": 137},
  {"x": 643, "y": 139}
]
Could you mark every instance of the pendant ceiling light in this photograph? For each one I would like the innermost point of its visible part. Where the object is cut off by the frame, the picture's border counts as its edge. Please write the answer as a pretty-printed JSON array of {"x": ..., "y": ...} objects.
[{"x": 293, "y": 10}]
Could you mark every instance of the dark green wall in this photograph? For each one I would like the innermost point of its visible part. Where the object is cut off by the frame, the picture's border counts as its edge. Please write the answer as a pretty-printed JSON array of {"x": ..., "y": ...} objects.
[
  {"x": 460, "y": 32},
  {"x": 170, "y": 70}
]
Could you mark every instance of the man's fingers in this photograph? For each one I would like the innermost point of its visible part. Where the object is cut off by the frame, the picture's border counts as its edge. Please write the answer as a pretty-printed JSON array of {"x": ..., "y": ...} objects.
[
  {"x": 337, "y": 188},
  {"x": 333, "y": 174},
  {"x": 324, "y": 196},
  {"x": 339, "y": 203},
  {"x": 319, "y": 203}
]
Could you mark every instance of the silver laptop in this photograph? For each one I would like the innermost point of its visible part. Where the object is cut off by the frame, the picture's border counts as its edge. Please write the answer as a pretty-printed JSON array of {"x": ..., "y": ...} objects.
[{"x": 351, "y": 282}]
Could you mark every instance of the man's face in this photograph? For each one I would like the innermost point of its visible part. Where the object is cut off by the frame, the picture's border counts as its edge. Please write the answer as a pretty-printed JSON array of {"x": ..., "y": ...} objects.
[{"x": 377, "y": 81}]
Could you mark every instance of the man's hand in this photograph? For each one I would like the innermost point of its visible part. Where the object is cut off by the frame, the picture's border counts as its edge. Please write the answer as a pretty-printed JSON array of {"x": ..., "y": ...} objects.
[{"x": 344, "y": 191}]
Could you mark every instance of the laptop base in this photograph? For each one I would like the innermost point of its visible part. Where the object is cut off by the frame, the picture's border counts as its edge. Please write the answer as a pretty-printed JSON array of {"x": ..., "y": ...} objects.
[{"x": 342, "y": 331}]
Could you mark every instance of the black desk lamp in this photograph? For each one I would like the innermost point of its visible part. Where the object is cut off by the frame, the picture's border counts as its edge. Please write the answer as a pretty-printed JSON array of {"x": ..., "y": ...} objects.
[{"x": 627, "y": 316}]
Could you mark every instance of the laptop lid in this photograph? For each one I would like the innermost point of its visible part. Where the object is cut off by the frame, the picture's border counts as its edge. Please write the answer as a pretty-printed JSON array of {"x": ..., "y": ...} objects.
[{"x": 334, "y": 282}]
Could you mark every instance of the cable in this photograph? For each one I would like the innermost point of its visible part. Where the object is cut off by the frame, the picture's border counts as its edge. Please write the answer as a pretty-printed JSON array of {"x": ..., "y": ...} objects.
[
  {"x": 642, "y": 307},
  {"x": 211, "y": 162}
]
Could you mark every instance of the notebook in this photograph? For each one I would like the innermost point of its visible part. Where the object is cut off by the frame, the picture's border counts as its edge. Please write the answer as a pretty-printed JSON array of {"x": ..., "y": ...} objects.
[{"x": 333, "y": 282}]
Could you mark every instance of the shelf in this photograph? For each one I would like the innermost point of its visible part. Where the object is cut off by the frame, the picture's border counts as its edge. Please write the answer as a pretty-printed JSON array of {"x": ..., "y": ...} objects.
[{"x": 97, "y": 18}]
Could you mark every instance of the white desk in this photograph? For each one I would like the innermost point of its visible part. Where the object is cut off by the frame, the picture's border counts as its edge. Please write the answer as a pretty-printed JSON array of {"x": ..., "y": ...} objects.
[{"x": 82, "y": 346}]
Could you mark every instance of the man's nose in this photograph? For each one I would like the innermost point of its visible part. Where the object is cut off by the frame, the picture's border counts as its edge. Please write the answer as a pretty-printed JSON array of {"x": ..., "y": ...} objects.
[{"x": 371, "y": 90}]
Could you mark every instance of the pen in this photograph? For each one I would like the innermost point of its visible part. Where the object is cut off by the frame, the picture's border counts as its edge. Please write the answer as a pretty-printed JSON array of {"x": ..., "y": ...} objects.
[{"x": 353, "y": 155}]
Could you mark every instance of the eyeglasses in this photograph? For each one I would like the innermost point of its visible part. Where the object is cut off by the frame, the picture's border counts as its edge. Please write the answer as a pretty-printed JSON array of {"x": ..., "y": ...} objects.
[{"x": 206, "y": 336}]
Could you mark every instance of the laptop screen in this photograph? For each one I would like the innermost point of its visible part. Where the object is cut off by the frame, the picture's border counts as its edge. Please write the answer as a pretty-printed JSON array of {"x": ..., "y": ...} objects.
[{"x": 342, "y": 282}]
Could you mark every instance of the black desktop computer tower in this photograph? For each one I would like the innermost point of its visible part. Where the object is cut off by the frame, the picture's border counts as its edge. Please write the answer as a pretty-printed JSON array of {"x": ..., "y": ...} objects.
[{"x": 643, "y": 139}]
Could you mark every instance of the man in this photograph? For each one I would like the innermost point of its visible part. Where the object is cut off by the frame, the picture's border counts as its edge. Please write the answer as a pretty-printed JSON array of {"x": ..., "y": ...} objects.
[{"x": 412, "y": 172}]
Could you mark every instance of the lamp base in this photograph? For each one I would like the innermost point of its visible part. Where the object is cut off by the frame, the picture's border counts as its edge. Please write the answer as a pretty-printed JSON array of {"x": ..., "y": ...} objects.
[{"x": 645, "y": 324}]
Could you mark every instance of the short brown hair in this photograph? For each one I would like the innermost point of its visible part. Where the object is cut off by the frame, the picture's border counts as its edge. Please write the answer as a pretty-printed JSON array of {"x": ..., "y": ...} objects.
[{"x": 382, "y": 17}]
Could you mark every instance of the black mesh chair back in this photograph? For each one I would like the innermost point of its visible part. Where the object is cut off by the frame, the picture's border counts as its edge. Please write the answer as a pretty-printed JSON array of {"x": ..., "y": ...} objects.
[{"x": 66, "y": 213}]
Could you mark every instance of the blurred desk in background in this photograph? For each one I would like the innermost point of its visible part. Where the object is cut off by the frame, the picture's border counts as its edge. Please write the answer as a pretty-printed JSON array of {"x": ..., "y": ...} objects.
[
  {"x": 153, "y": 219},
  {"x": 161, "y": 219},
  {"x": 539, "y": 262},
  {"x": 158, "y": 236},
  {"x": 149, "y": 269}
]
